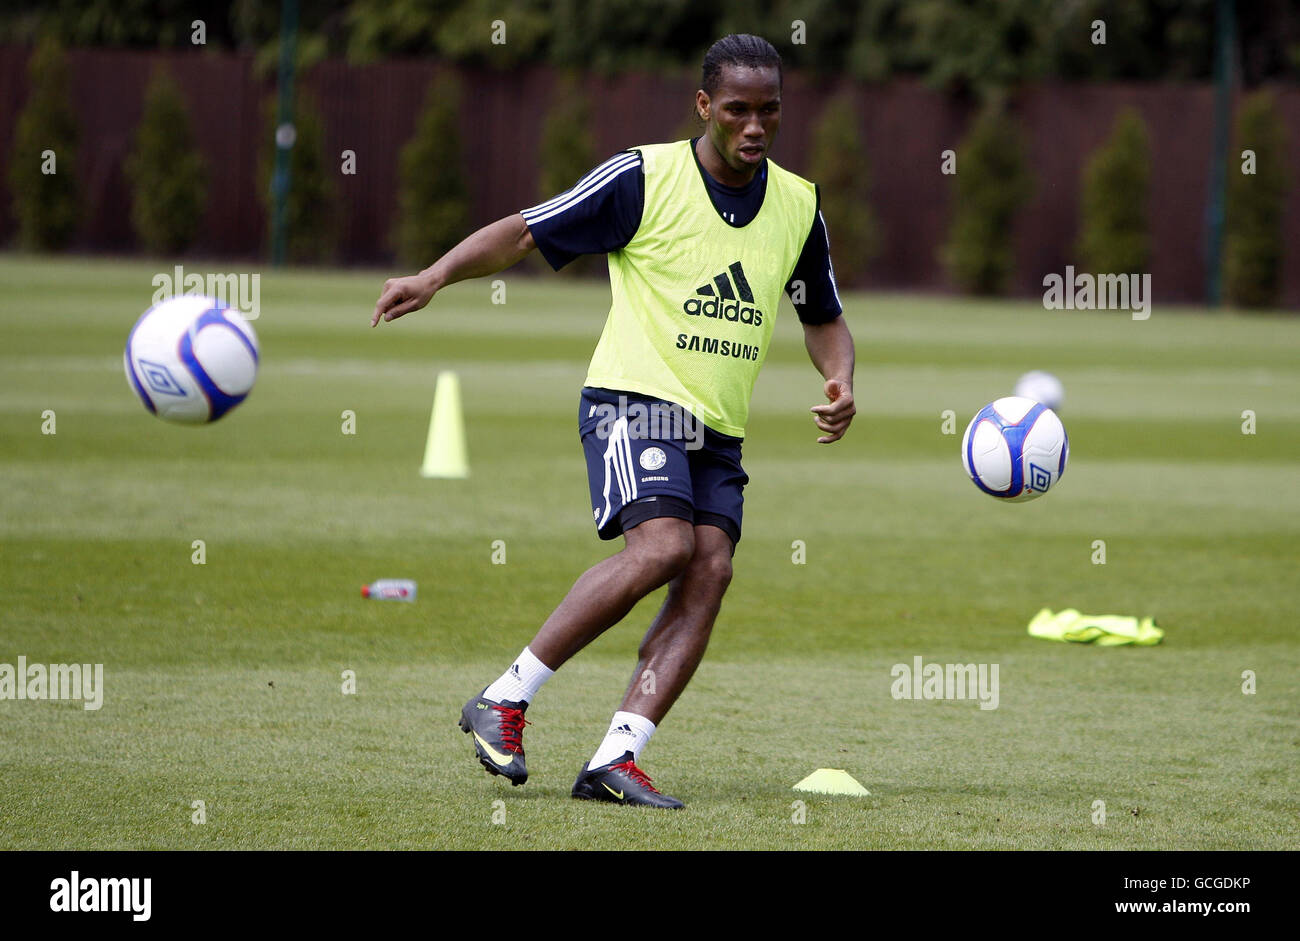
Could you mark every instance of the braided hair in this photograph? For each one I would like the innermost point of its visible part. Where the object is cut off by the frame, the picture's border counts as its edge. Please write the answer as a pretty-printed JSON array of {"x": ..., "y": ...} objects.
[{"x": 739, "y": 49}]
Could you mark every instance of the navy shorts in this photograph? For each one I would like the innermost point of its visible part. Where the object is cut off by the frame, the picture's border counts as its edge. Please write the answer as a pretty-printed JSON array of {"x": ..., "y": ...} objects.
[{"x": 648, "y": 458}]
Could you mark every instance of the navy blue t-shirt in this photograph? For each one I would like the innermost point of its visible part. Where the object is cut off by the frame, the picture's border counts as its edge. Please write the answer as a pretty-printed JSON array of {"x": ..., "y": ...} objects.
[{"x": 602, "y": 212}]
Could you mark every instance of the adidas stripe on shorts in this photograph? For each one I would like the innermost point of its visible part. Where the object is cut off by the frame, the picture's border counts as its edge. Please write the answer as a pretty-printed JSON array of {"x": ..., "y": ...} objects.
[{"x": 648, "y": 458}]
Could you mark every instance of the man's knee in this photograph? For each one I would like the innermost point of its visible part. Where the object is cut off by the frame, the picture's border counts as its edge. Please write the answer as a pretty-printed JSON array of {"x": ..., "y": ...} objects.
[
  {"x": 710, "y": 569},
  {"x": 714, "y": 569},
  {"x": 664, "y": 546}
]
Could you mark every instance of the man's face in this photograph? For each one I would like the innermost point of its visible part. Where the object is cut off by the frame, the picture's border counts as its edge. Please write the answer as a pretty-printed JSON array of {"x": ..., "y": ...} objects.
[{"x": 743, "y": 115}]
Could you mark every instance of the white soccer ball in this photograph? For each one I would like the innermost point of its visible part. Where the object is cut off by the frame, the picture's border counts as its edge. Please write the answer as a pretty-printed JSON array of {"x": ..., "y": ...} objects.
[
  {"x": 1042, "y": 387},
  {"x": 1015, "y": 449},
  {"x": 191, "y": 359}
]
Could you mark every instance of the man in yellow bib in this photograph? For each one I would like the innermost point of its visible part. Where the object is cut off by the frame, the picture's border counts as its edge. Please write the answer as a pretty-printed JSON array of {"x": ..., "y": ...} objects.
[{"x": 702, "y": 238}]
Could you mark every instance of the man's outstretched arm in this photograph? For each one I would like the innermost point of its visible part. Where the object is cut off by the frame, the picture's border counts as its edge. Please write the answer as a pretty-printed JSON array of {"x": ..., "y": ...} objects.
[
  {"x": 491, "y": 249},
  {"x": 830, "y": 346}
]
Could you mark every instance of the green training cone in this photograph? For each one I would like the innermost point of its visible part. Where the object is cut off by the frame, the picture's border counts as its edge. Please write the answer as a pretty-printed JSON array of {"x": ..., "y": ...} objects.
[
  {"x": 445, "y": 454},
  {"x": 832, "y": 781}
]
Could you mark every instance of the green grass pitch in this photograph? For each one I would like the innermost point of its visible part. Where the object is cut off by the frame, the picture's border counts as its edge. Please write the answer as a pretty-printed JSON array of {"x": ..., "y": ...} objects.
[{"x": 223, "y": 681}]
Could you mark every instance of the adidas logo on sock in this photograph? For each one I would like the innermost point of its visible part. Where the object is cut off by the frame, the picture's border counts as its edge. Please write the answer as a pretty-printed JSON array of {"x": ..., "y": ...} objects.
[
  {"x": 625, "y": 728},
  {"x": 514, "y": 668},
  {"x": 729, "y": 301}
]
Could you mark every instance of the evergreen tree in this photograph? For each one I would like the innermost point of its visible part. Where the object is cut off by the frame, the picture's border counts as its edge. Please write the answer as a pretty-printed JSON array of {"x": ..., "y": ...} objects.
[
  {"x": 1115, "y": 235},
  {"x": 434, "y": 198},
  {"x": 1253, "y": 243},
  {"x": 166, "y": 171},
  {"x": 311, "y": 209},
  {"x": 42, "y": 163},
  {"x": 990, "y": 186},
  {"x": 839, "y": 167}
]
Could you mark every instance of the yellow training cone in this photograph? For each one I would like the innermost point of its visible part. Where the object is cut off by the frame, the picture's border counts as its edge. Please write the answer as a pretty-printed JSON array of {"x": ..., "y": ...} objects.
[
  {"x": 445, "y": 455},
  {"x": 832, "y": 781}
]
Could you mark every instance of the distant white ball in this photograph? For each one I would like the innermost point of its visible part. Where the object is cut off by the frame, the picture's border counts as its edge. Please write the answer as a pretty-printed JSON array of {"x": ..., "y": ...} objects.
[
  {"x": 1042, "y": 387},
  {"x": 191, "y": 359},
  {"x": 1015, "y": 449}
]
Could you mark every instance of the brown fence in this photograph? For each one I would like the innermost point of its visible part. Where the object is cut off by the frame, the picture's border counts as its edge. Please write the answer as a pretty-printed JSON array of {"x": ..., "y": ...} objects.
[{"x": 372, "y": 110}]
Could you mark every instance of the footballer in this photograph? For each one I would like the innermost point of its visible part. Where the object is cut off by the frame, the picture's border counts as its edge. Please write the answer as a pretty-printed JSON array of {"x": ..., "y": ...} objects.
[{"x": 702, "y": 237}]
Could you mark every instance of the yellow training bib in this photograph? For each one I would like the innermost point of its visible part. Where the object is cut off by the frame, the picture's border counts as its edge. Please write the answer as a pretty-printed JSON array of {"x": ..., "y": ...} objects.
[{"x": 695, "y": 299}]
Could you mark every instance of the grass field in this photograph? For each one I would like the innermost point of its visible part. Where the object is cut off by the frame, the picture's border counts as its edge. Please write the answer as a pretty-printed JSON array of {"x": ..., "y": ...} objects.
[{"x": 223, "y": 680}]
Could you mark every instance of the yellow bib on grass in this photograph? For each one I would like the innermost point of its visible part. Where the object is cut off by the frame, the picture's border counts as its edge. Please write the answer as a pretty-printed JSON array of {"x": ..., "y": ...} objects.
[{"x": 694, "y": 298}]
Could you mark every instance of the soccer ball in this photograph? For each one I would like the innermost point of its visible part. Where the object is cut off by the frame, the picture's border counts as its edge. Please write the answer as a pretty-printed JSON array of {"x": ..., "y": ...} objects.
[
  {"x": 1015, "y": 449},
  {"x": 191, "y": 359},
  {"x": 1041, "y": 387}
]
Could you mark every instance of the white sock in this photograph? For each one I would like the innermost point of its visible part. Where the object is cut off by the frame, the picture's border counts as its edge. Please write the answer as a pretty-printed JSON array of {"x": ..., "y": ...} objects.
[
  {"x": 627, "y": 732},
  {"x": 521, "y": 682}
]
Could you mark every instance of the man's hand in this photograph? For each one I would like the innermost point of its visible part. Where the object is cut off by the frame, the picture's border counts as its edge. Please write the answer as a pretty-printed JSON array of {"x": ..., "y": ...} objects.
[
  {"x": 834, "y": 418},
  {"x": 491, "y": 249},
  {"x": 401, "y": 296}
]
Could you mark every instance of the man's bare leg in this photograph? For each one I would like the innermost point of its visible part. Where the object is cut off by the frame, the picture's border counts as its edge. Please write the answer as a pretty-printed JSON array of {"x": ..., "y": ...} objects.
[
  {"x": 669, "y": 654},
  {"x": 677, "y": 638},
  {"x": 656, "y": 552}
]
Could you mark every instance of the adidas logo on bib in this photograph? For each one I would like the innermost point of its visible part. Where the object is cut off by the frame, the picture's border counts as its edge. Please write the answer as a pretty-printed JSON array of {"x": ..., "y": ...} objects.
[{"x": 733, "y": 300}]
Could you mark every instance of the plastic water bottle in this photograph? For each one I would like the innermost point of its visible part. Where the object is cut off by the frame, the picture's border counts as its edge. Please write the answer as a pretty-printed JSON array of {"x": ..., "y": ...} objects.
[{"x": 390, "y": 589}]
